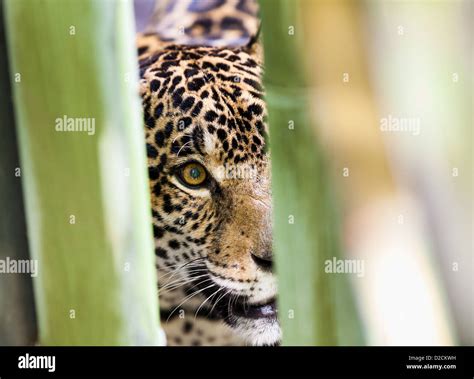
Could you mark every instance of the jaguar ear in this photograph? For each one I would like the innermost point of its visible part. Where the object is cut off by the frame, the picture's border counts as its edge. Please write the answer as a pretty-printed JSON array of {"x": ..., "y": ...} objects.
[{"x": 254, "y": 46}]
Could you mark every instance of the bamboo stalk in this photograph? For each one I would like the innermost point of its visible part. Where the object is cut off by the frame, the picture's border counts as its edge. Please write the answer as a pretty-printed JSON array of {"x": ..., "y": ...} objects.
[
  {"x": 315, "y": 308},
  {"x": 86, "y": 193},
  {"x": 17, "y": 316}
]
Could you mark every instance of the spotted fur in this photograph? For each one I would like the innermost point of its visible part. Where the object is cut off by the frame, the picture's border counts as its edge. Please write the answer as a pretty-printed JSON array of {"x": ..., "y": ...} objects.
[
  {"x": 214, "y": 243},
  {"x": 205, "y": 22}
]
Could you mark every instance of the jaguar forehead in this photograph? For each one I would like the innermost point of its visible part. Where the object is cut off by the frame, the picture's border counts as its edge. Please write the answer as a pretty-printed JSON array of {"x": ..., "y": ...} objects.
[{"x": 210, "y": 143}]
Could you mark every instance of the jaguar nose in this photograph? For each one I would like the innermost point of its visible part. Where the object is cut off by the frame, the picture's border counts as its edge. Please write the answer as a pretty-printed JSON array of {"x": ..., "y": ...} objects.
[{"x": 263, "y": 260}]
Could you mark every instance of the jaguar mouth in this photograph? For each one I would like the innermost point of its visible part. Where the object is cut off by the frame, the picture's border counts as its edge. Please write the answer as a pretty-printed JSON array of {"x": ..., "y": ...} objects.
[
  {"x": 266, "y": 310},
  {"x": 255, "y": 322},
  {"x": 232, "y": 306}
]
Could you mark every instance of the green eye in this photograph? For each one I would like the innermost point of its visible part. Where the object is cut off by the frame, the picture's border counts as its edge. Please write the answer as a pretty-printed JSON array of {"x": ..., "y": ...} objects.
[{"x": 193, "y": 174}]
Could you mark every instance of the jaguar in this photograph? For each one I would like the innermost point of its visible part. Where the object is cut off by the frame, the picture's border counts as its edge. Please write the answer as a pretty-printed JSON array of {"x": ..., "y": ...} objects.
[{"x": 209, "y": 171}]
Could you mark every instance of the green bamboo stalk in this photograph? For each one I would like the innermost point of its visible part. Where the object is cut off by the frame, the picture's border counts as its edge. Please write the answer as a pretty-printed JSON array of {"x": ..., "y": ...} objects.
[
  {"x": 87, "y": 202},
  {"x": 315, "y": 308},
  {"x": 17, "y": 313}
]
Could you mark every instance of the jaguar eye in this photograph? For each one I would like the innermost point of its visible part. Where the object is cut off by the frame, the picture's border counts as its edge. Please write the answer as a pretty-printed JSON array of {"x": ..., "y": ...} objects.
[{"x": 192, "y": 174}]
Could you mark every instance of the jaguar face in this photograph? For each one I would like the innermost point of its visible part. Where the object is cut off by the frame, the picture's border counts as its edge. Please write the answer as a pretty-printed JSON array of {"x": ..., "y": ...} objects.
[{"x": 210, "y": 181}]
